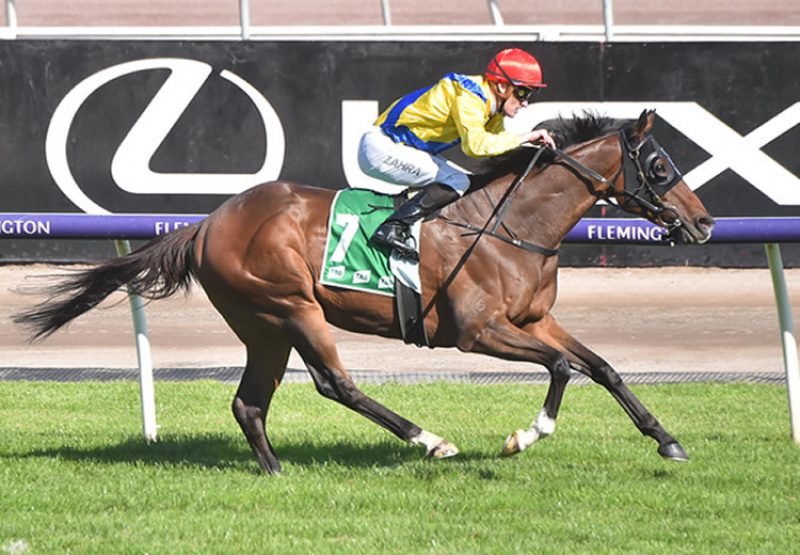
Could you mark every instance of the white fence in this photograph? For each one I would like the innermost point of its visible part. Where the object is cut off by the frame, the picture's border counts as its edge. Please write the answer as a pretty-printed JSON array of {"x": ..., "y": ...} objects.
[{"x": 388, "y": 31}]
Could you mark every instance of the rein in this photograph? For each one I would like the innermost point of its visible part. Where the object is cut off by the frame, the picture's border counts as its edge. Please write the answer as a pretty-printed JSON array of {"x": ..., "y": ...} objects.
[
  {"x": 500, "y": 212},
  {"x": 655, "y": 176},
  {"x": 502, "y": 208},
  {"x": 579, "y": 166}
]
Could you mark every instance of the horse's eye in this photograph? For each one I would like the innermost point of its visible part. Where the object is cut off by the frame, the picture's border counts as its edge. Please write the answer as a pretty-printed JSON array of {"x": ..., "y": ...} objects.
[{"x": 660, "y": 169}]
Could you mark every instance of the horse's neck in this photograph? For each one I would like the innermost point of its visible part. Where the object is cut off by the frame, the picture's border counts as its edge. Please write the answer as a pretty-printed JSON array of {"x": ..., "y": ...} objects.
[
  {"x": 543, "y": 209},
  {"x": 549, "y": 206}
]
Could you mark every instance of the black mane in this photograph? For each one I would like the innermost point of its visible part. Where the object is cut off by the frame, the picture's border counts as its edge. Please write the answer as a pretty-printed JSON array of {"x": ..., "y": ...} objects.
[
  {"x": 566, "y": 132},
  {"x": 575, "y": 130}
]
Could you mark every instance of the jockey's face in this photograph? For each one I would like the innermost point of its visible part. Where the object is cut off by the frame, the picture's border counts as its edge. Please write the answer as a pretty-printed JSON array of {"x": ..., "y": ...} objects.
[
  {"x": 512, "y": 104},
  {"x": 511, "y": 98}
]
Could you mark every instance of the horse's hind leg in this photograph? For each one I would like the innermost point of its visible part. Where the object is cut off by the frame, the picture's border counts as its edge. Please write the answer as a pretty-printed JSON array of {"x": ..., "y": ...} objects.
[
  {"x": 310, "y": 335},
  {"x": 266, "y": 365}
]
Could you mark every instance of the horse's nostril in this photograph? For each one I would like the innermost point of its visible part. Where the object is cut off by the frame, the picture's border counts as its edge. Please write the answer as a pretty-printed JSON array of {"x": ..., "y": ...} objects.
[{"x": 705, "y": 223}]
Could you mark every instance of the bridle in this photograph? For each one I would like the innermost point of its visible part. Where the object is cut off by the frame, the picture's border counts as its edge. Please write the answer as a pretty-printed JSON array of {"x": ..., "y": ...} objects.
[{"x": 648, "y": 174}]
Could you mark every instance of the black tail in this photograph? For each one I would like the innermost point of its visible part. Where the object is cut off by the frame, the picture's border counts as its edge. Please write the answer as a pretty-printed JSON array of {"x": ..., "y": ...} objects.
[{"x": 155, "y": 271}]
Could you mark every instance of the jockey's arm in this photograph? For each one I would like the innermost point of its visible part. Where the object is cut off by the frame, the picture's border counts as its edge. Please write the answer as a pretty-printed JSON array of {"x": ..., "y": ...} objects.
[
  {"x": 541, "y": 137},
  {"x": 468, "y": 113}
]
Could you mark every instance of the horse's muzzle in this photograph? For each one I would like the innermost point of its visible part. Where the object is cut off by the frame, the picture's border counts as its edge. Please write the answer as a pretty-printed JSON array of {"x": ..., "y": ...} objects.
[{"x": 697, "y": 231}]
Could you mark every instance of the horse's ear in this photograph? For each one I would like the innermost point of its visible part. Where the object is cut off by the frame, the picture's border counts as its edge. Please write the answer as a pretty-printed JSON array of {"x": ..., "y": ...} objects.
[{"x": 645, "y": 123}]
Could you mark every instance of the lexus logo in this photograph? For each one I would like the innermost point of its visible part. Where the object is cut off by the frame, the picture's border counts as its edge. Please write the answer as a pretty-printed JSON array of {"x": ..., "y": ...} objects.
[
  {"x": 130, "y": 166},
  {"x": 131, "y": 162}
]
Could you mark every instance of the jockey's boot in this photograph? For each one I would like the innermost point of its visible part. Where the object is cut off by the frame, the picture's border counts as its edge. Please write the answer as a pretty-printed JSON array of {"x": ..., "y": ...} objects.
[{"x": 395, "y": 231}]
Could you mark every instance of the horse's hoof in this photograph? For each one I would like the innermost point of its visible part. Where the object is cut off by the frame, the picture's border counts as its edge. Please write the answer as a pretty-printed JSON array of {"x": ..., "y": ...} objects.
[
  {"x": 512, "y": 446},
  {"x": 521, "y": 440},
  {"x": 673, "y": 452},
  {"x": 443, "y": 450}
]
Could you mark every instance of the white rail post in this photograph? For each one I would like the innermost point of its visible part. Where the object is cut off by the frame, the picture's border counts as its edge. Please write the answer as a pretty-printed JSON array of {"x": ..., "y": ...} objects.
[
  {"x": 788, "y": 340},
  {"x": 494, "y": 10},
  {"x": 608, "y": 19},
  {"x": 244, "y": 18},
  {"x": 11, "y": 14},
  {"x": 386, "y": 12},
  {"x": 144, "y": 356}
]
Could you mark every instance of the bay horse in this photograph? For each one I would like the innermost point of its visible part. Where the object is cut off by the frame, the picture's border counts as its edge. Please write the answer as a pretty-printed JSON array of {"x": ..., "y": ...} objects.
[{"x": 258, "y": 257}]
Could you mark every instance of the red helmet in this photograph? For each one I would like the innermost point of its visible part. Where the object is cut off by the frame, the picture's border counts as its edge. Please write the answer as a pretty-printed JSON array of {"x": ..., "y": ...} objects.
[{"x": 515, "y": 66}]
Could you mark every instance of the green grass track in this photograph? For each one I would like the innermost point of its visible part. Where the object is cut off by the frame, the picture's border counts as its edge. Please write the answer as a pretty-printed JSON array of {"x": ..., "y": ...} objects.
[{"x": 75, "y": 476}]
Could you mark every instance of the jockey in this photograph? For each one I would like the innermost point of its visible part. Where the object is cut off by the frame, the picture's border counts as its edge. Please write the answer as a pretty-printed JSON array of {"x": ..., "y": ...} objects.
[{"x": 403, "y": 146}]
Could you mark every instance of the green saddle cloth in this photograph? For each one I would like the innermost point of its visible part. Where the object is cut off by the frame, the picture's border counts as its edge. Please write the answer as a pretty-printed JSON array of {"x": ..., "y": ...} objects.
[{"x": 351, "y": 260}]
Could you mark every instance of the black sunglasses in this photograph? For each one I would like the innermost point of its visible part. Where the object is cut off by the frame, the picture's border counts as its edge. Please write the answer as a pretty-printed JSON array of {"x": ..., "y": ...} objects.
[{"x": 525, "y": 94}]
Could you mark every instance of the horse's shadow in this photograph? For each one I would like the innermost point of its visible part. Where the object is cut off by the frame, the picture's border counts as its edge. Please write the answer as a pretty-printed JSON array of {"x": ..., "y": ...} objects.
[{"x": 217, "y": 451}]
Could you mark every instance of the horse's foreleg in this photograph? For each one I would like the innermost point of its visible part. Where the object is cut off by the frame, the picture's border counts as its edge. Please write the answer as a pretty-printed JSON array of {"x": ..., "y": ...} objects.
[
  {"x": 589, "y": 363},
  {"x": 532, "y": 344},
  {"x": 266, "y": 364},
  {"x": 311, "y": 337}
]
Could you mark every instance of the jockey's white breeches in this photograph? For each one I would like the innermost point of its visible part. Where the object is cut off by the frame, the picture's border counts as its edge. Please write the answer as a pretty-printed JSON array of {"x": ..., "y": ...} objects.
[{"x": 405, "y": 166}]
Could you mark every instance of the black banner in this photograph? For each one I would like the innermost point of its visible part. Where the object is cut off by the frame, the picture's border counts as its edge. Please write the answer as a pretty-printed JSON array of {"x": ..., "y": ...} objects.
[{"x": 177, "y": 127}]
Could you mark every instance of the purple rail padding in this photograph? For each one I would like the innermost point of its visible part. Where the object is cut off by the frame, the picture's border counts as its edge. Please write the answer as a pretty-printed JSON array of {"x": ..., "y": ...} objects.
[
  {"x": 727, "y": 230},
  {"x": 589, "y": 230},
  {"x": 90, "y": 226}
]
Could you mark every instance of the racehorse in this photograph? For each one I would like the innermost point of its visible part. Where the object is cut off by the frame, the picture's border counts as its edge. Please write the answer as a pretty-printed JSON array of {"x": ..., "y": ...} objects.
[{"x": 258, "y": 257}]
